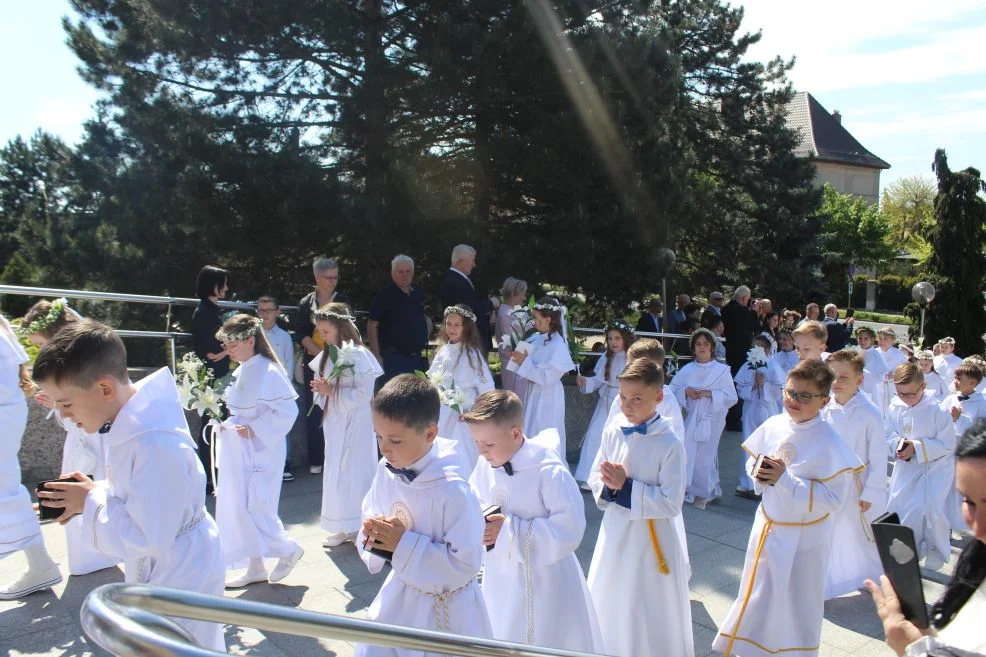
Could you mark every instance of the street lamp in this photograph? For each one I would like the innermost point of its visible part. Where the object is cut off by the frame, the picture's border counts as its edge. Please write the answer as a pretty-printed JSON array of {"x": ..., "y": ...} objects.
[{"x": 923, "y": 293}]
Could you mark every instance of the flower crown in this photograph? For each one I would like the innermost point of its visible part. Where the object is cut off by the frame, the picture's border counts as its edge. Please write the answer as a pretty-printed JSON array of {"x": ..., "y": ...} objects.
[
  {"x": 323, "y": 315},
  {"x": 455, "y": 310},
  {"x": 550, "y": 307},
  {"x": 620, "y": 325},
  {"x": 57, "y": 308},
  {"x": 250, "y": 331}
]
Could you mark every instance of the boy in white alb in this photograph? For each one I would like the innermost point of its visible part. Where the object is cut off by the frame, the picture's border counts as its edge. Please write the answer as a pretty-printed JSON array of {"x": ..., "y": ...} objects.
[
  {"x": 920, "y": 434},
  {"x": 858, "y": 421},
  {"x": 639, "y": 576},
  {"x": 964, "y": 406},
  {"x": 805, "y": 476},
  {"x": 422, "y": 517},
  {"x": 150, "y": 511},
  {"x": 268, "y": 309},
  {"x": 874, "y": 368},
  {"x": 892, "y": 358},
  {"x": 533, "y": 584}
]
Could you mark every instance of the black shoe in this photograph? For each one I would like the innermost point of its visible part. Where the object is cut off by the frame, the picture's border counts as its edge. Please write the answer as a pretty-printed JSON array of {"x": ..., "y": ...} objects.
[{"x": 747, "y": 494}]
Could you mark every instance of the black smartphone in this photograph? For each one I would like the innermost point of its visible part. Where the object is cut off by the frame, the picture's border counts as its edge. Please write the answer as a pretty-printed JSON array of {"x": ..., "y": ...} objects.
[
  {"x": 492, "y": 509},
  {"x": 47, "y": 512},
  {"x": 851, "y": 312},
  {"x": 899, "y": 556}
]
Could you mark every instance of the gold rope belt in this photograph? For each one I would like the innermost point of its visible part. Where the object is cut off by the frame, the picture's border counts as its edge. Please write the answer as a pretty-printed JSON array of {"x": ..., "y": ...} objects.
[{"x": 662, "y": 564}]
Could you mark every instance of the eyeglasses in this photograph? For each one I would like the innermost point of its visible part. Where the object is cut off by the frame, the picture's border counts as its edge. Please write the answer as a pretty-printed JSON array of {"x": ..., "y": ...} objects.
[
  {"x": 802, "y": 397},
  {"x": 267, "y": 311},
  {"x": 909, "y": 395}
]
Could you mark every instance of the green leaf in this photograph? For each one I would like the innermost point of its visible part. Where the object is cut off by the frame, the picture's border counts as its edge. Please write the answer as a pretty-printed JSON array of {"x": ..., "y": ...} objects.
[
  {"x": 333, "y": 352},
  {"x": 421, "y": 375}
]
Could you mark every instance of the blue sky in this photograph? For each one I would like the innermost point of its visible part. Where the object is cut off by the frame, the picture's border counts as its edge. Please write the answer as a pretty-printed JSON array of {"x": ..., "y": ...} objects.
[{"x": 908, "y": 76}]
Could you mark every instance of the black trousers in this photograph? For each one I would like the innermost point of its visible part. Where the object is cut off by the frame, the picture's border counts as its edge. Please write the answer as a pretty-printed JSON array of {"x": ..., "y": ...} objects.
[{"x": 313, "y": 423}]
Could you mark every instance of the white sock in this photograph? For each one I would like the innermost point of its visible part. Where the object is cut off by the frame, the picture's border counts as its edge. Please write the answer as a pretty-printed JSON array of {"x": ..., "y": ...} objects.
[
  {"x": 38, "y": 558},
  {"x": 256, "y": 567}
]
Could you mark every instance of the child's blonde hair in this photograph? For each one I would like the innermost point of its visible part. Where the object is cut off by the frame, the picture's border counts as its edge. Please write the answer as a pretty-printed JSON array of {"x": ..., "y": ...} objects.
[
  {"x": 887, "y": 331},
  {"x": 811, "y": 328},
  {"x": 815, "y": 372},
  {"x": 499, "y": 407},
  {"x": 648, "y": 348},
  {"x": 850, "y": 356},
  {"x": 924, "y": 354},
  {"x": 338, "y": 315},
  {"x": 242, "y": 324},
  {"x": 908, "y": 373}
]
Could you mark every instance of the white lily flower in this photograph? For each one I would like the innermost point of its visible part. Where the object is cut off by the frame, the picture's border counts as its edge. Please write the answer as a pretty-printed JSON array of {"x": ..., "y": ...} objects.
[
  {"x": 756, "y": 357},
  {"x": 347, "y": 353},
  {"x": 207, "y": 402},
  {"x": 436, "y": 379},
  {"x": 186, "y": 391},
  {"x": 447, "y": 381}
]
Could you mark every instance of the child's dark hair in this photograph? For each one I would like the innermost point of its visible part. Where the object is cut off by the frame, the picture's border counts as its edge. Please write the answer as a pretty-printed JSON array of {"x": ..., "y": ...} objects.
[
  {"x": 763, "y": 341},
  {"x": 624, "y": 330},
  {"x": 242, "y": 324},
  {"x": 969, "y": 370},
  {"x": 209, "y": 279},
  {"x": 850, "y": 356},
  {"x": 970, "y": 571},
  {"x": 80, "y": 354},
  {"x": 499, "y": 407},
  {"x": 410, "y": 400},
  {"x": 547, "y": 306},
  {"x": 470, "y": 338},
  {"x": 41, "y": 310},
  {"x": 815, "y": 372},
  {"x": 645, "y": 371},
  {"x": 702, "y": 333}
]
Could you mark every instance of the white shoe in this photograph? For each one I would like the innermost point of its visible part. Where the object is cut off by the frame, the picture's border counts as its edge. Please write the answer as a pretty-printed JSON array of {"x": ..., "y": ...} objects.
[
  {"x": 285, "y": 565},
  {"x": 699, "y": 503},
  {"x": 246, "y": 579},
  {"x": 315, "y": 469},
  {"x": 31, "y": 581},
  {"x": 333, "y": 540},
  {"x": 934, "y": 561}
]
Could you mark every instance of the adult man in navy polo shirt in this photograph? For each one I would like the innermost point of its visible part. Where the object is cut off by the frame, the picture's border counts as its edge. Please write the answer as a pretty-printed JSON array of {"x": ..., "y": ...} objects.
[{"x": 397, "y": 329}]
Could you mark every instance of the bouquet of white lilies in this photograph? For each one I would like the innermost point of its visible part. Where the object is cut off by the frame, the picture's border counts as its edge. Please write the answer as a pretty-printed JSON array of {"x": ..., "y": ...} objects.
[
  {"x": 198, "y": 389},
  {"x": 343, "y": 360},
  {"x": 447, "y": 392}
]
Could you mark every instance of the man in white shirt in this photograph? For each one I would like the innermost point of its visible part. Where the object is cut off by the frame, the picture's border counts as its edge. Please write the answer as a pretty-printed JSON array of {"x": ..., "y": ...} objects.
[{"x": 268, "y": 309}]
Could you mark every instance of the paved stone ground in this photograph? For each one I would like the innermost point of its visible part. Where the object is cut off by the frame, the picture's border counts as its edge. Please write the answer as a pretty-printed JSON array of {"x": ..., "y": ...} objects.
[{"x": 335, "y": 581}]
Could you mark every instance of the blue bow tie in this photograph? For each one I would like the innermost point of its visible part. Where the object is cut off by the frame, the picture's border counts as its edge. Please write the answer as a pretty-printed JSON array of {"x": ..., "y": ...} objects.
[
  {"x": 405, "y": 474},
  {"x": 637, "y": 428}
]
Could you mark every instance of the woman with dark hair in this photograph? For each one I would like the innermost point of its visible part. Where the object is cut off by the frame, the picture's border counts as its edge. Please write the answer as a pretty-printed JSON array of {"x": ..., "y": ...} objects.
[
  {"x": 771, "y": 330},
  {"x": 957, "y": 617},
  {"x": 210, "y": 286}
]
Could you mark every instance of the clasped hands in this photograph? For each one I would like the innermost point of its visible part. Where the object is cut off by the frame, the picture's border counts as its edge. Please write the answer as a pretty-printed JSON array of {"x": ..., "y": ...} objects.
[
  {"x": 383, "y": 533},
  {"x": 613, "y": 475},
  {"x": 695, "y": 393}
]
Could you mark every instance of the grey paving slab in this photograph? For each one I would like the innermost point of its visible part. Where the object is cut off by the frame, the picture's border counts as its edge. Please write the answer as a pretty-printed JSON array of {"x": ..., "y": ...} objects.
[{"x": 335, "y": 581}]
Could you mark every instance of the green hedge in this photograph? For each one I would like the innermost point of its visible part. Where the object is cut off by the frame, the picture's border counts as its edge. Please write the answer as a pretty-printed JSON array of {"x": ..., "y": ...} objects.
[{"x": 879, "y": 318}]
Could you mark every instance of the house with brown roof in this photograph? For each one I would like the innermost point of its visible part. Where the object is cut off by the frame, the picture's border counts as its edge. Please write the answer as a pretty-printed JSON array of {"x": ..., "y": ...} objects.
[{"x": 839, "y": 158}]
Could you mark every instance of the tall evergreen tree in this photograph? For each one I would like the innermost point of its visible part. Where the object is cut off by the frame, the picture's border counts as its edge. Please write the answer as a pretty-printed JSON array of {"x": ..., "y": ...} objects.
[{"x": 957, "y": 266}]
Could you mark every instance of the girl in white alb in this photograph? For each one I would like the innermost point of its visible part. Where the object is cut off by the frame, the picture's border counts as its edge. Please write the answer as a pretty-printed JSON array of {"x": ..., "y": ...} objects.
[
  {"x": 892, "y": 357},
  {"x": 461, "y": 374},
  {"x": 544, "y": 367},
  {"x": 946, "y": 362},
  {"x": 705, "y": 389},
  {"x": 760, "y": 402},
  {"x": 936, "y": 385},
  {"x": 345, "y": 373},
  {"x": 19, "y": 527},
  {"x": 778, "y": 366},
  {"x": 619, "y": 336},
  {"x": 874, "y": 367},
  {"x": 250, "y": 452},
  {"x": 83, "y": 451}
]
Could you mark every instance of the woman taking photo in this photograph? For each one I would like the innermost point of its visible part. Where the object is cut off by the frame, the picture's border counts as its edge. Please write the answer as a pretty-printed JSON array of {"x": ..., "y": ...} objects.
[{"x": 958, "y": 615}]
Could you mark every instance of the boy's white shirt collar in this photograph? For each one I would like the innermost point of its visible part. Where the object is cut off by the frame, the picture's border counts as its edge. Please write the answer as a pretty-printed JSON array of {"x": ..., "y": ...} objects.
[{"x": 149, "y": 409}]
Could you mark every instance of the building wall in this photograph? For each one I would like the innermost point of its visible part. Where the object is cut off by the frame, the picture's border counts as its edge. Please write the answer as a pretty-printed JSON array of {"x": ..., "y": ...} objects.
[{"x": 848, "y": 179}]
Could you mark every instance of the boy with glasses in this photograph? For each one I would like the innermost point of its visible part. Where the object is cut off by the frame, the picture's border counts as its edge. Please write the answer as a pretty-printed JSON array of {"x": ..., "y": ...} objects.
[
  {"x": 268, "y": 309},
  {"x": 805, "y": 473},
  {"x": 921, "y": 436}
]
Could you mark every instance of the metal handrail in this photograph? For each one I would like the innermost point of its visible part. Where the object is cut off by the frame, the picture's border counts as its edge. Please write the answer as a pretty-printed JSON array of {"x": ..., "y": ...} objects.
[
  {"x": 91, "y": 295},
  {"x": 128, "y": 619}
]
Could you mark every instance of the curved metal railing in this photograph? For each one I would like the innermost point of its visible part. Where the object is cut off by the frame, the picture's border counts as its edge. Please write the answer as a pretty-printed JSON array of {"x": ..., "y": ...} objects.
[{"x": 128, "y": 619}]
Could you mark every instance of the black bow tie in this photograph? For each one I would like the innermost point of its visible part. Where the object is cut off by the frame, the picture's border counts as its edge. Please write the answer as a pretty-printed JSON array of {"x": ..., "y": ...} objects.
[
  {"x": 963, "y": 397},
  {"x": 405, "y": 474},
  {"x": 509, "y": 469},
  {"x": 106, "y": 427}
]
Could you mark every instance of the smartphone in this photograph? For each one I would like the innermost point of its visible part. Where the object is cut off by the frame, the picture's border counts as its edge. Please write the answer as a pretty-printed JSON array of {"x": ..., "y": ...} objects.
[
  {"x": 47, "y": 512},
  {"x": 899, "y": 556},
  {"x": 851, "y": 312},
  {"x": 492, "y": 509}
]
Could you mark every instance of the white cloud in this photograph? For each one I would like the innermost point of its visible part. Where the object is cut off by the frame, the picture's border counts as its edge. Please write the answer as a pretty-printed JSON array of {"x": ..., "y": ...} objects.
[{"x": 848, "y": 44}]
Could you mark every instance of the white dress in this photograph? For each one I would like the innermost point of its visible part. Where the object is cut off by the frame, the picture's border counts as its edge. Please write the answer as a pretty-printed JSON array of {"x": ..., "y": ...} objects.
[
  {"x": 759, "y": 404},
  {"x": 609, "y": 391},
  {"x": 854, "y": 555},
  {"x": 639, "y": 576},
  {"x": 781, "y": 597},
  {"x": 452, "y": 363},
  {"x": 350, "y": 443},
  {"x": 704, "y": 424},
  {"x": 543, "y": 368},
  {"x": 973, "y": 408},
  {"x": 262, "y": 398},
  {"x": 891, "y": 358},
  {"x": 432, "y": 584},
  {"x": 936, "y": 385},
  {"x": 19, "y": 527},
  {"x": 945, "y": 365},
  {"x": 150, "y": 510},
  {"x": 874, "y": 372},
  {"x": 533, "y": 585},
  {"x": 83, "y": 452},
  {"x": 919, "y": 487}
]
